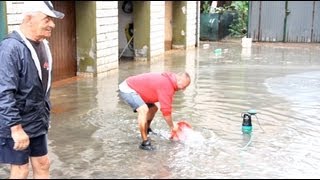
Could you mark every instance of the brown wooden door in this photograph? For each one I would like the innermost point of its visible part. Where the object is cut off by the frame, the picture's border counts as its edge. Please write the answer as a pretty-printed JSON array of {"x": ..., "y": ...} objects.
[{"x": 63, "y": 42}]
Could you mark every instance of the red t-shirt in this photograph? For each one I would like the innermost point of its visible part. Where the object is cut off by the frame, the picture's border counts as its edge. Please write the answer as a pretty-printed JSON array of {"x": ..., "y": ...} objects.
[{"x": 155, "y": 87}]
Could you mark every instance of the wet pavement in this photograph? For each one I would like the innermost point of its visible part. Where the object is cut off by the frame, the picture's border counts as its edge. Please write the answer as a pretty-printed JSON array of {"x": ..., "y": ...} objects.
[{"x": 95, "y": 135}]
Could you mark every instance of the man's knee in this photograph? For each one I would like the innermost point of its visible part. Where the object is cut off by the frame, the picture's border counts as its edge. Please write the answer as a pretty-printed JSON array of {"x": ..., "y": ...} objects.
[
  {"x": 143, "y": 109},
  {"x": 153, "y": 109},
  {"x": 40, "y": 163},
  {"x": 40, "y": 166}
]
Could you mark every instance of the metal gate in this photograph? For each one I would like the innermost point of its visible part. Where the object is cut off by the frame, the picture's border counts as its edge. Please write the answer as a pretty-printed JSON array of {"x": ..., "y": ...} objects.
[{"x": 284, "y": 21}]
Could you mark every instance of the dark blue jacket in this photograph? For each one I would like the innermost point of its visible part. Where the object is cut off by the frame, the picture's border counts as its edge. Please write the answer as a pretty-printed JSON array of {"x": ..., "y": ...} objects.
[{"x": 22, "y": 97}]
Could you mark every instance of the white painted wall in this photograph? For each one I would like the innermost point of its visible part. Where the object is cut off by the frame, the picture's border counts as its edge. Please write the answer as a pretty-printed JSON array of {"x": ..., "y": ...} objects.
[
  {"x": 191, "y": 29},
  {"x": 14, "y": 14},
  {"x": 157, "y": 28},
  {"x": 107, "y": 35}
]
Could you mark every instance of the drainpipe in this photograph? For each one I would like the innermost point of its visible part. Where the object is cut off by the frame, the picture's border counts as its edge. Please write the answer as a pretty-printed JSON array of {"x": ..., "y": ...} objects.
[{"x": 287, "y": 12}]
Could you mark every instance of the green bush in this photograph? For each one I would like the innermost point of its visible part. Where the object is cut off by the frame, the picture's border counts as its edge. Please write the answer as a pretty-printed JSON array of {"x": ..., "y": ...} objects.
[
  {"x": 238, "y": 27},
  {"x": 205, "y": 7}
]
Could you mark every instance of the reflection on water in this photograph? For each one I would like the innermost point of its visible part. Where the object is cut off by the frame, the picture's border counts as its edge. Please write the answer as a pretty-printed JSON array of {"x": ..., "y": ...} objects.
[{"x": 95, "y": 135}]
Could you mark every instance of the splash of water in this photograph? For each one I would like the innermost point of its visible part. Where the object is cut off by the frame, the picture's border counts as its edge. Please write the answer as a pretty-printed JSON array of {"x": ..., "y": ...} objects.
[
  {"x": 189, "y": 137},
  {"x": 193, "y": 137}
]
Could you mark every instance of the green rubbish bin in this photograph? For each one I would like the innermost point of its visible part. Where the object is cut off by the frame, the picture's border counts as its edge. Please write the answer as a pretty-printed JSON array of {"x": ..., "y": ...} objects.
[
  {"x": 226, "y": 19},
  {"x": 209, "y": 26}
]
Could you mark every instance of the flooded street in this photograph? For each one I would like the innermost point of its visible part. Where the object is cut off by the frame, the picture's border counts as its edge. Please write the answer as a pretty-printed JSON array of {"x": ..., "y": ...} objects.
[{"x": 95, "y": 135}]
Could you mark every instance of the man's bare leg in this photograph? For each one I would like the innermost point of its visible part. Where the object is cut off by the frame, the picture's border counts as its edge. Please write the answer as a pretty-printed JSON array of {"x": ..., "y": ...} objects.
[
  {"x": 143, "y": 124},
  {"x": 40, "y": 166},
  {"x": 151, "y": 113},
  {"x": 19, "y": 171},
  {"x": 142, "y": 120}
]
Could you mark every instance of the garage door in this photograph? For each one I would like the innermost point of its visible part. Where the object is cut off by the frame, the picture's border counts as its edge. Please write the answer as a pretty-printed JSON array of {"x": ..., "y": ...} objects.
[{"x": 63, "y": 42}]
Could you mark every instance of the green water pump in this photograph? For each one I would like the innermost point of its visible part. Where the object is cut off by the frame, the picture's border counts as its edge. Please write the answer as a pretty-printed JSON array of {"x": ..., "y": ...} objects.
[{"x": 247, "y": 121}]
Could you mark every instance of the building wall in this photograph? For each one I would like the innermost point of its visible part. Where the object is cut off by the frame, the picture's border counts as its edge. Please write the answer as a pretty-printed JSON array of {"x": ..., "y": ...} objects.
[
  {"x": 97, "y": 34},
  {"x": 14, "y": 18},
  {"x": 104, "y": 51},
  {"x": 86, "y": 38},
  {"x": 107, "y": 36},
  {"x": 191, "y": 24},
  {"x": 157, "y": 36},
  {"x": 103, "y": 46},
  {"x": 185, "y": 24},
  {"x": 179, "y": 25},
  {"x": 141, "y": 21}
]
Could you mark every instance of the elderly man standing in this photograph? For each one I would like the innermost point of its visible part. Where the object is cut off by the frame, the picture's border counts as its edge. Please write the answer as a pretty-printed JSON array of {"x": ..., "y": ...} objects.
[
  {"x": 25, "y": 82},
  {"x": 142, "y": 91}
]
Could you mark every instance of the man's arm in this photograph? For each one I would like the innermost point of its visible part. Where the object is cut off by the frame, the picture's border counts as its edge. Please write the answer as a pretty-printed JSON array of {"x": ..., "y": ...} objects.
[
  {"x": 173, "y": 126},
  {"x": 9, "y": 113}
]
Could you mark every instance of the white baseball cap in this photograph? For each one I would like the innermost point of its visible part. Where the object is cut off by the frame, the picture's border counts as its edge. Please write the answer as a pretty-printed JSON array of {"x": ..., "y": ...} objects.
[{"x": 45, "y": 7}]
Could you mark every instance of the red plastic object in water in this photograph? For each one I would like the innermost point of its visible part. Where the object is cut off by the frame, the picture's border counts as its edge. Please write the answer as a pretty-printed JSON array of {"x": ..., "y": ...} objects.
[{"x": 180, "y": 133}]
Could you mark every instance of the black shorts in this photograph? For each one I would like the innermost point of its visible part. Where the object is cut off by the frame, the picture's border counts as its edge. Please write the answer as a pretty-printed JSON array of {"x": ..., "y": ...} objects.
[{"x": 38, "y": 147}]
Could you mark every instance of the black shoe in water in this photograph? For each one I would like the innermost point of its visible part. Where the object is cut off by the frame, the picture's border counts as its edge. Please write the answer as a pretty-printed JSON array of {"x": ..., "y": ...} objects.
[
  {"x": 150, "y": 131},
  {"x": 146, "y": 145}
]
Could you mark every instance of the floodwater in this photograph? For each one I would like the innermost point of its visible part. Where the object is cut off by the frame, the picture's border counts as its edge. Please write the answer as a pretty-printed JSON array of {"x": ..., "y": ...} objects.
[{"x": 95, "y": 135}]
